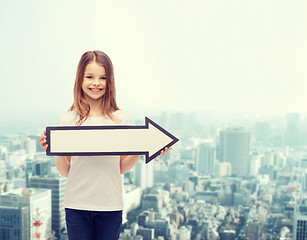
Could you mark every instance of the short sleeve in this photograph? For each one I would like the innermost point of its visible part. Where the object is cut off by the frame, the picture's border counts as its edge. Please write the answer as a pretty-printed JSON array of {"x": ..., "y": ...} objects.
[
  {"x": 127, "y": 119},
  {"x": 68, "y": 119},
  {"x": 61, "y": 121},
  {"x": 123, "y": 117}
]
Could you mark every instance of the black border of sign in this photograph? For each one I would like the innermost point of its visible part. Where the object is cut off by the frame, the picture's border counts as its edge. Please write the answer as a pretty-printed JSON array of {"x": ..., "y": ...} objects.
[{"x": 146, "y": 153}]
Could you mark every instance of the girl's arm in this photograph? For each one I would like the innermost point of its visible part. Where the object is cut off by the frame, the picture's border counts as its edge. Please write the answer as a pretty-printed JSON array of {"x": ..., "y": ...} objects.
[
  {"x": 128, "y": 162},
  {"x": 62, "y": 162},
  {"x": 63, "y": 165}
]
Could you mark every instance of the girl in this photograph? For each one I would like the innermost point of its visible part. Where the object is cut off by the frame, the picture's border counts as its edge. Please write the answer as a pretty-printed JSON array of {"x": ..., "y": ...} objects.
[{"x": 93, "y": 195}]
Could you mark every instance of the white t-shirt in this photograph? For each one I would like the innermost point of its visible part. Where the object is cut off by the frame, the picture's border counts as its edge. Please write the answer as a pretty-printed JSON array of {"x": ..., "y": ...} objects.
[{"x": 94, "y": 183}]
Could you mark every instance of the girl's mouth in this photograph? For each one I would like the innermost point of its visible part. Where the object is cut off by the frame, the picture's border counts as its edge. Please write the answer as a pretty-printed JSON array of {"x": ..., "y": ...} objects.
[{"x": 95, "y": 90}]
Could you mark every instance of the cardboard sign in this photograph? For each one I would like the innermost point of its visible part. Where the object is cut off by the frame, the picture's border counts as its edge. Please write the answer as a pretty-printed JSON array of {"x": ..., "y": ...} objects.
[{"x": 148, "y": 140}]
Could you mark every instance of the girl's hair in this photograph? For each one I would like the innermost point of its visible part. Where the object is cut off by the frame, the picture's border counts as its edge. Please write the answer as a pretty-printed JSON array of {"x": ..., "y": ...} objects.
[{"x": 109, "y": 98}]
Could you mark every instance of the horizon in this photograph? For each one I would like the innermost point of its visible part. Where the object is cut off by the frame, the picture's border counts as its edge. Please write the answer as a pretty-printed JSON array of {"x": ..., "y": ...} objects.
[{"x": 203, "y": 117}]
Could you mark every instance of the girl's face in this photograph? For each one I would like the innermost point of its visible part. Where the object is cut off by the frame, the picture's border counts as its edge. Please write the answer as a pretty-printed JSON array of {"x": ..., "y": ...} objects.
[{"x": 94, "y": 81}]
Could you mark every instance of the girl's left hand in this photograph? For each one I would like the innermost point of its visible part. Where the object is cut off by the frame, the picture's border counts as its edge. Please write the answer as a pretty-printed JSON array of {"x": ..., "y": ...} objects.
[{"x": 163, "y": 152}]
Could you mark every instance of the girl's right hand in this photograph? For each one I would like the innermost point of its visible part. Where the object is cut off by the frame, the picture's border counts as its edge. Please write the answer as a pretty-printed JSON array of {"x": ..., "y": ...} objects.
[{"x": 43, "y": 142}]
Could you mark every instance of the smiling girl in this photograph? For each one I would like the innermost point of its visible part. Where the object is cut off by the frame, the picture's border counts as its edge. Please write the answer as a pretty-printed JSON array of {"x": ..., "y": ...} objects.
[{"x": 93, "y": 195}]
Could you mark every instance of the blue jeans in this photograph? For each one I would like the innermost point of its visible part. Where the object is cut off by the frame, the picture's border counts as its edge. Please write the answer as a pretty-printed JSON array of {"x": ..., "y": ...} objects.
[{"x": 93, "y": 225}]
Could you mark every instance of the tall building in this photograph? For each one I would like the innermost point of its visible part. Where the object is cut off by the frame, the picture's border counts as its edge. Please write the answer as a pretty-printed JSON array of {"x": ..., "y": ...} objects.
[
  {"x": 37, "y": 224},
  {"x": 146, "y": 233},
  {"x": 152, "y": 201},
  {"x": 37, "y": 168},
  {"x": 206, "y": 158},
  {"x": 183, "y": 233},
  {"x": 14, "y": 222},
  {"x": 255, "y": 165},
  {"x": 300, "y": 223},
  {"x": 268, "y": 158},
  {"x": 144, "y": 174},
  {"x": 30, "y": 145},
  {"x": 57, "y": 187},
  {"x": 178, "y": 173},
  {"x": 3, "y": 153},
  {"x": 253, "y": 229},
  {"x": 234, "y": 148},
  {"x": 223, "y": 169},
  {"x": 2, "y": 171},
  {"x": 292, "y": 131},
  {"x": 262, "y": 132}
]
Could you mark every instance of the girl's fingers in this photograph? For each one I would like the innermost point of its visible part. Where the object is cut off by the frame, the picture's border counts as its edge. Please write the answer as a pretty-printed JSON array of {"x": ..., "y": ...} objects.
[
  {"x": 43, "y": 137},
  {"x": 165, "y": 151},
  {"x": 156, "y": 159},
  {"x": 42, "y": 143}
]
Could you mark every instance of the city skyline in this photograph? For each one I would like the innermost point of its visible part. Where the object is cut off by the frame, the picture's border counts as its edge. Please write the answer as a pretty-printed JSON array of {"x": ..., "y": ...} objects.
[{"x": 195, "y": 191}]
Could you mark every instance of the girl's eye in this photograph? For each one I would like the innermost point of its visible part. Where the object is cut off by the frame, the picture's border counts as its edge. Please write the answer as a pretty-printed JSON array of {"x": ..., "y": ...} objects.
[
  {"x": 88, "y": 77},
  {"x": 104, "y": 78}
]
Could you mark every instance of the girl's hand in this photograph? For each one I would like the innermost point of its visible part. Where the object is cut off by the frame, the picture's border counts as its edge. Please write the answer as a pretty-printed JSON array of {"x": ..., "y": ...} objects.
[
  {"x": 163, "y": 152},
  {"x": 43, "y": 142}
]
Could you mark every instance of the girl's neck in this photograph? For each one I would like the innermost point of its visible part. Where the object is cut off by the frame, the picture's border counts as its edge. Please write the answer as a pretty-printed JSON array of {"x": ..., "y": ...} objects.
[{"x": 96, "y": 109}]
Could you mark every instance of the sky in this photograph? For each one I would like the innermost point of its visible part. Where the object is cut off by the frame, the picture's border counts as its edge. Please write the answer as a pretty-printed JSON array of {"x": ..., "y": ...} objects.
[{"x": 175, "y": 55}]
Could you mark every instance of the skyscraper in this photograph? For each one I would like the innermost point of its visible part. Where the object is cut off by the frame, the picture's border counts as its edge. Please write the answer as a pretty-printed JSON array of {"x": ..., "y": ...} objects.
[
  {"x": 57, "y": 187},
  {"x": 37, "y": 168},
  {"x": 34, "y": 205},
  {"x": 144, "y": 174},
  {"x": 206, "y": 158},
  {"x": 234, "y": 148},
  {"x": 292, "y": 131},
  {"x": 300, "y": 224},
  {"x": 262, "y": 132},
  {"x": 222, "y": 169},
  {"x": 14, "y": 222}
]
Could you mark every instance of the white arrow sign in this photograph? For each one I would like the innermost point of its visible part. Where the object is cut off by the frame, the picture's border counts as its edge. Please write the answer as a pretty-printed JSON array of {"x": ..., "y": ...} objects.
[{"x": 148, "y": 140}]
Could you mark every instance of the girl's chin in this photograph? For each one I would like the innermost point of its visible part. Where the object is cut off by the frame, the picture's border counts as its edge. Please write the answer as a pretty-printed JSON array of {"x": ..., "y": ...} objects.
[{"x": 94, "y": 97}]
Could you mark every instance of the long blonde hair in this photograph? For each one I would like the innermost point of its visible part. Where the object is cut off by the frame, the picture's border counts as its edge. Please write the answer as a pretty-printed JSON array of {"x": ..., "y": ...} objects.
[{"x": 81, "y": 105}]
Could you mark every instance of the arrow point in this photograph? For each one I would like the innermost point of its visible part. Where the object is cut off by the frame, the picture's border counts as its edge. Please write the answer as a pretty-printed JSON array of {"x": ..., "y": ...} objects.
[{"x": 159, "y": 139}]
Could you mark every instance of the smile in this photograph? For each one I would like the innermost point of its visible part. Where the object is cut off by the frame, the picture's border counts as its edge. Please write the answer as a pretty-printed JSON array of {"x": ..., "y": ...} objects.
[{"x": 95, "y": 89}]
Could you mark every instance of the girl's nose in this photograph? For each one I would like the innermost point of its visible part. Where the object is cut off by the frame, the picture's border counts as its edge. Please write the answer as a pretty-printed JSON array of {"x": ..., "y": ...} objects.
[{"x": 96, "y": 81}]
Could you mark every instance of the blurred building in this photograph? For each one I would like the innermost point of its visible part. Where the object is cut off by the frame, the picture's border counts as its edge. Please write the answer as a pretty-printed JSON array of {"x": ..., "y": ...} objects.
[
  {"x": 3, "y": 153},
  {"x": 206, "y": 158},
  {"x": 30, "y": 145},
  {"x": 35, "y": 205},
  {"x": 253, "y": 229},
  {"x": 293, "y": 129},
  {"x": 178, "y": 173},
  {"x": 255, "y": 165},
  {"x": 223, "y": 169},
  {"x": 182, "y": 233},
  {"x": 57, "y": 187},
  {"x": 152, "y": 201},
  {"x": 262, "y": 132},
  {"x": 14, "y": 222},
  {"x": 234, "y": 148},
  {"x": 144, "y": 174},
  {"x": 227, "y": 234},
  {"x": 300, "y": 223},
  {"x": 2, "y": 170},
  {"x": 37, "y": 168},
  {"x": 161, "y": 228},
  {"x": 146, "y": 233}
]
